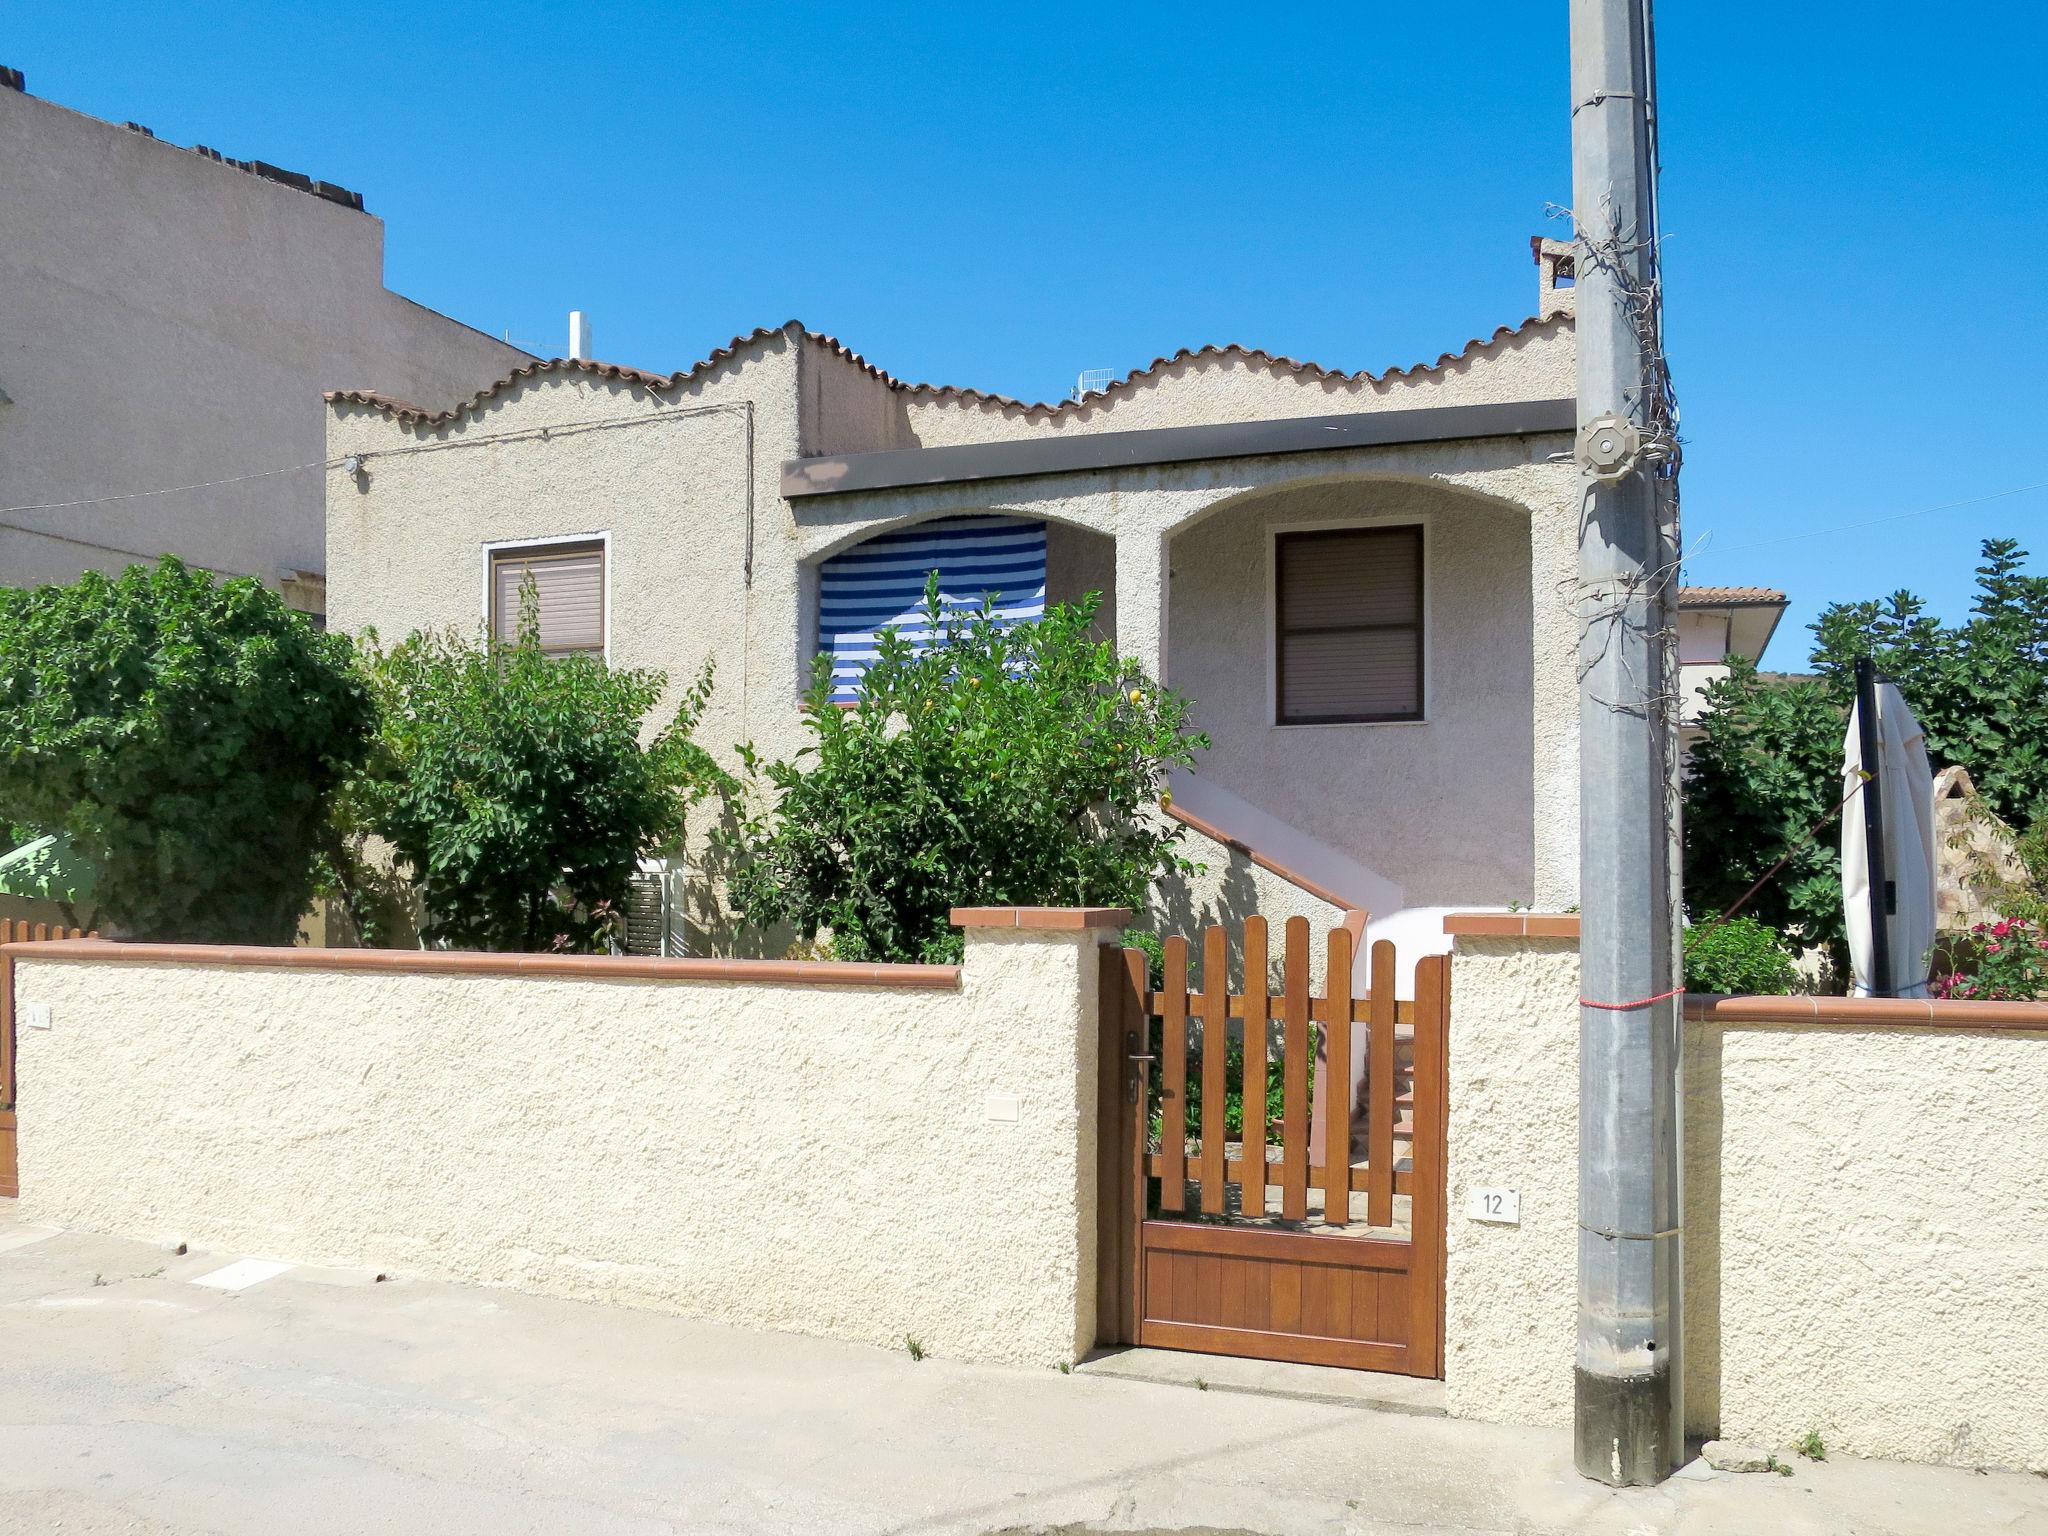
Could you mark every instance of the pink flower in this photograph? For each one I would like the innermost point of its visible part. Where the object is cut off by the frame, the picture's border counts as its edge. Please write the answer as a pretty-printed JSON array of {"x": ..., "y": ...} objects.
[{"x": 2001, "y": 928}]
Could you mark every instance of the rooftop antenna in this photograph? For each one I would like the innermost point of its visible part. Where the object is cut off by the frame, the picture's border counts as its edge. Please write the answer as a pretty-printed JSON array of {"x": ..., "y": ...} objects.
[
  {"x": 1091, "y": 381},
  {"x": 579, "y": 336}
]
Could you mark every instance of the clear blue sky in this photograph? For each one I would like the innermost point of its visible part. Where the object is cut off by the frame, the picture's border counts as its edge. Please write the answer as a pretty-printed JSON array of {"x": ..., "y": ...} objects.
[{"x": 1856, "y": 205}]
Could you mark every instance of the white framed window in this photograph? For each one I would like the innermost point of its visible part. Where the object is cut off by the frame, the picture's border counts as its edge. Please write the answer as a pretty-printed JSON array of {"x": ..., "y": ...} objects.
[
  {"x": 1349, "y": 625},
  {"x": 571, "y": 579}
]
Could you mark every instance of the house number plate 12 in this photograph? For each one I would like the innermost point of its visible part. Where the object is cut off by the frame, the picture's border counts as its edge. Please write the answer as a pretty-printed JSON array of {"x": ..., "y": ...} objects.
[{"x": 1503, "y": 1206}]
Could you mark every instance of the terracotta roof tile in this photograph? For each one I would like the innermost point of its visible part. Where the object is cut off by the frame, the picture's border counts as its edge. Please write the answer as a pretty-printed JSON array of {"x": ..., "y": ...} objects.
[
  {"x": 1729, "y": 597},
  {"x": 1185, "y": 354},
  {"x": 409, "y": 412},
  {"x": 1041, "y": 410}
]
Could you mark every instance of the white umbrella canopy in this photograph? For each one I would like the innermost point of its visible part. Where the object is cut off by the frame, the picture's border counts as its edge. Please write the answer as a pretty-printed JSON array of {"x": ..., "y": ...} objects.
[{"x": 1904, "y": 785}]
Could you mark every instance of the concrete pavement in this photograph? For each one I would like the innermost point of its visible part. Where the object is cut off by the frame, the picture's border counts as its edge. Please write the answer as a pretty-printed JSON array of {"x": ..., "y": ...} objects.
[{"x": 134, "y": 1399}]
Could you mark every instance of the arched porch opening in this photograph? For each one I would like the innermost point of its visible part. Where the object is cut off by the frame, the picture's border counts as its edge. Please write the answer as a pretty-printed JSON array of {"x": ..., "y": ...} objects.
[
  {"x": 1018, "y": 565},
  {"x": 1362, "y": 653}
]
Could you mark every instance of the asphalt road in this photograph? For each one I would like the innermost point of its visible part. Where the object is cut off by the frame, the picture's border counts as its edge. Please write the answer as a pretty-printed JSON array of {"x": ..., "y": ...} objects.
[{"x": 134, "y": 1398}]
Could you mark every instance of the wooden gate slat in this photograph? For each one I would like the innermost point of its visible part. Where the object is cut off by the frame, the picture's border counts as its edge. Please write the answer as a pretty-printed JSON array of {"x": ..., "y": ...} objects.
[
  {"x": 1137, "y": 1134},
  {"x": 1238, "y": 1286},
  {"x": 1215, "y": 1065},
  {"x": 1294, "y": 1076},
  {"x": 1337, "y": 1080},
  {"x": 1426, "y": 1207},
  {"x": 1379, "y": 1195},
  {"x": 1173, "y": 1077},
  {"x": 1255, "y": 1016}
]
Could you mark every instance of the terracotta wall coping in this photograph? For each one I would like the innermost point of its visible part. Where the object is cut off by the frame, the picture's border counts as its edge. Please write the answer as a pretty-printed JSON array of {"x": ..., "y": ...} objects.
[
  {"x": 1059, "y": 918},
  {"x": 428, "y": 962},
  {"x": 1300, "y": 882},
  {"x": 1866, "y": 1012},
  {"x": 1512, "y": 925}
]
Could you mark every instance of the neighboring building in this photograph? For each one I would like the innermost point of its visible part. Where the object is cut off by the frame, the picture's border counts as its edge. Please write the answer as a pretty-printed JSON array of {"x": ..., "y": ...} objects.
[
  {"x": 1715, "y": 623},
  {"x": 168, "y": 318},
  {"x": 1354, "y": 576}
]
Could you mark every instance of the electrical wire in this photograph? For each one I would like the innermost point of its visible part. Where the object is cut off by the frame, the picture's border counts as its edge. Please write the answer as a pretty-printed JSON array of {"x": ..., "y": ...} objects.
[
  {"x": 368, "y": 456},
  {"x": 116, "y": 549}
]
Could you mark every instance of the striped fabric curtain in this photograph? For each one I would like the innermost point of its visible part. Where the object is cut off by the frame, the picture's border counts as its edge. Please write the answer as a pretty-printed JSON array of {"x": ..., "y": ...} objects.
[{"x": 879, "y": 584}]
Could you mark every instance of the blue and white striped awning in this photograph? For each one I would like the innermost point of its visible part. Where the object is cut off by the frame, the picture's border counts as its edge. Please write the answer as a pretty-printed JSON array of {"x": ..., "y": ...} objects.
[{"x": 879, "y": 584}]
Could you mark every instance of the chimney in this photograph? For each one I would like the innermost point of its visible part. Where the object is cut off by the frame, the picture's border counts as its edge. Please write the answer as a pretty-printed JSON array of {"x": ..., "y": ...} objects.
[
  {"x": 1556, "y": 276},
  {"x": 579, "y": 336}
]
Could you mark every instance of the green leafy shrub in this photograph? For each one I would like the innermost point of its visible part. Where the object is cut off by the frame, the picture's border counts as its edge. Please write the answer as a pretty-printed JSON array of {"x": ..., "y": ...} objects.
[
  {"x": 1740, "y": 955},
  {"x": 995, "y": 768},
  {"x": 184, "y": 736},
  {"x": 2002, "y": 962},
  {"x": 516, "y": 789},
  {"x": 1764, "y": 781},
  {"x": 1233, "y": 1092}
]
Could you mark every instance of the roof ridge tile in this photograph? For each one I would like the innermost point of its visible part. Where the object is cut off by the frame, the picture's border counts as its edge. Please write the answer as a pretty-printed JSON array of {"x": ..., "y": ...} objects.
[{"x": 1041, "y": 410}]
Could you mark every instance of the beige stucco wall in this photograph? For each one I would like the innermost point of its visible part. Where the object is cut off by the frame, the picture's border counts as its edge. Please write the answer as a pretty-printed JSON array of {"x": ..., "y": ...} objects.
[
  {"x": 824, "y": 1160},
  {"x": 1879, "y": 1253},
  {"x": 1531, "y": 363},
  {"x": 1863, "y": 1223},
  {"x": 168, "y": 320},
  {"x": 1511, "y": 1293},
  {"x": 663, "y": 476}
]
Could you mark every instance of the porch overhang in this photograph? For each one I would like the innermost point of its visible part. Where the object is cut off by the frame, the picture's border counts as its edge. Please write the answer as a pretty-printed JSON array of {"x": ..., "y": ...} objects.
[{"x": 837, "y": 474}]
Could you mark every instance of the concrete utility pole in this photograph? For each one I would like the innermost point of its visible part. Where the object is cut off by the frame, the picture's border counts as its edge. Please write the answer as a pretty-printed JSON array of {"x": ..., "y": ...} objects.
[{"x": 1629, "y": 1416}]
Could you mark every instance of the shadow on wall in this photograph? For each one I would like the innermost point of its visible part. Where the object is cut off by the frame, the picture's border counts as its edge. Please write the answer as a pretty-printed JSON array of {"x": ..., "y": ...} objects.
[
  {"x": 1178, "y": 909},
  {"x": 712, "y": 927}
]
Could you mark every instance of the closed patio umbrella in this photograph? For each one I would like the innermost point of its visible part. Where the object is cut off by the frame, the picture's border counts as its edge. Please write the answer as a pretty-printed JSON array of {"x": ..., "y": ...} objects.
[{"x": 1887, "y": 843}]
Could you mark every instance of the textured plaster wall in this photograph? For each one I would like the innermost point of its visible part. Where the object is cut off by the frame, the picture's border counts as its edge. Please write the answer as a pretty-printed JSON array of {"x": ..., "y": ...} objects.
[
  {"x": 1863, "y": 1219},
  {"x": 1536, "y": 363},
  {"x": 666, "y": 479},
  {"x": 168, "y": 320},
  {"x": 1445, "y": 805},
  {"x": 1078, "y": 562},
  {"x": 821, "y": 1160},
  {"x": 1870, "y": 1260},
  {"x": 1511, "y": 1293}
]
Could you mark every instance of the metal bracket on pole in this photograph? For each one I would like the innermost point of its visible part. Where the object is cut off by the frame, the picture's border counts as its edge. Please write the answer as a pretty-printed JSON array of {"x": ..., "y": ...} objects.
[{"x": 1610, "y": 448}]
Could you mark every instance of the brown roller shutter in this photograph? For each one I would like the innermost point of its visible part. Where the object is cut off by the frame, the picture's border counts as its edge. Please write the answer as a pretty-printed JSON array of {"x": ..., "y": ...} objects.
[
  {"x": 1349, "y": 615},
  {"x": 569, "y": 584}
]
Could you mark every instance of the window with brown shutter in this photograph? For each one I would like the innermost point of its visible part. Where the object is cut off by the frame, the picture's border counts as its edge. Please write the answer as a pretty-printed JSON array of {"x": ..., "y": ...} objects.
[
  {"x": 568, "y": 582},
  {"x": 1348, "y": 612}
]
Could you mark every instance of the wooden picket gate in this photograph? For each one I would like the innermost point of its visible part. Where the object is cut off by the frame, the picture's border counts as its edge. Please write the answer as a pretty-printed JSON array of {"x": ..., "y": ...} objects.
[
  {"x": 1197, "y": 1252},
  {"x": 13, "y": 932}
]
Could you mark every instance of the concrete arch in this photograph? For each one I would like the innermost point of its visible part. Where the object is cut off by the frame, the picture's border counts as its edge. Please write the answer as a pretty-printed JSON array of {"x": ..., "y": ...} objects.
[
  {"x": 1256, "y": 495},
  {"x": 851, "y": 530}
]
